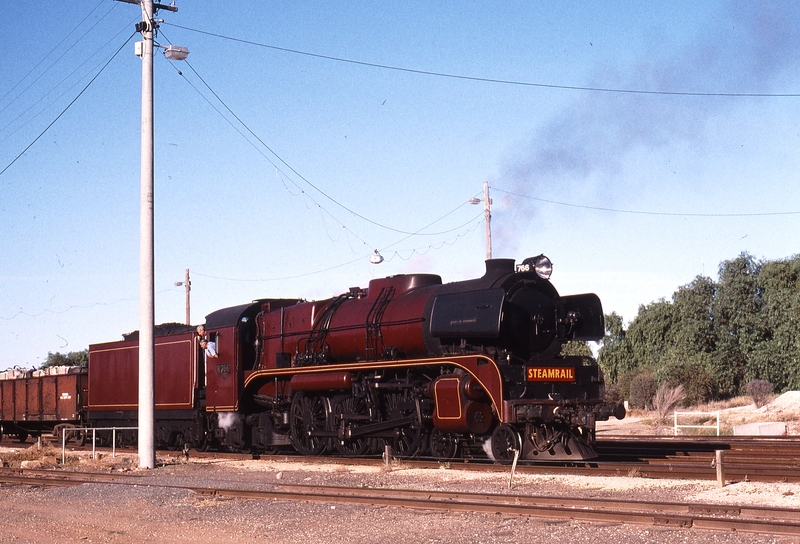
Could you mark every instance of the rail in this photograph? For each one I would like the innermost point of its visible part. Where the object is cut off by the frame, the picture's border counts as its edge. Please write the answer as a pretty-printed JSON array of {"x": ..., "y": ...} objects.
[
  {"x": 94, "y": 438},
  {"x": 664, "y": 516},
  {"x": 677, "y": 414}
]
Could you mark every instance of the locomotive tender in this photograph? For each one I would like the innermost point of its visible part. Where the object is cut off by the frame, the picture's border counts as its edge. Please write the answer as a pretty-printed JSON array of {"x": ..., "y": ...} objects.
[{"x": 428, "y": 368}]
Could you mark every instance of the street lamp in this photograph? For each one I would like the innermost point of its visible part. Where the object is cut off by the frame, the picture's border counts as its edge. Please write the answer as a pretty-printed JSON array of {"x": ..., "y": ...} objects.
[
  {"x": 376, "y": 258},
  {"x": 147, "y": 347},
  {"x": 487, "y": 214},
  {"x": 176, "y": 52}
]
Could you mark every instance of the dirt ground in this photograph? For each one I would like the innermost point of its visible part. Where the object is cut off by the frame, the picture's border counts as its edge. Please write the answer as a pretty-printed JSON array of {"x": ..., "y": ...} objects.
[
  {"x": 151, "y": 511},
  {"x": 784, "y": 409}
]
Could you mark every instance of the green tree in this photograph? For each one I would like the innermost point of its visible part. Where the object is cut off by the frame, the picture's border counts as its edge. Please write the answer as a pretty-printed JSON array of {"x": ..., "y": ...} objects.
[
  {"x": 575, "y": 347},
  {"x": 615, "y": 357},
  {"x": 73, "y": 358},
  {"x": 713, "y": 337},
  {"x": 652, "y": 333},
  {"x": 643, "y": 390},
  {"x": 776, "y": 357},
  {"x": 688, "y": 360},
  {"x": 694, "y": 327},
  {"x": 736, "y": 313}
]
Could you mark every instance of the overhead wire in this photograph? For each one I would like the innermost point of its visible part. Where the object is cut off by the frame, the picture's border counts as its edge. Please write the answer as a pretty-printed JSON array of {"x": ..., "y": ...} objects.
[
  {"x": 53, "y": 122},
  {"x": 282, "y": 175},
  {"x": 397, "y": 253},
  {"x": 419, "y": 232},
  {"x": 259, "y": 150},
  {"x": 86, "y": 61},
  {"x": 73, "y": 30},
  {"x": 75, "y": 306},
  {"x": 290, "y": 167},
  {"x": 488, "y": 79},
  {"x": 643, "y": 212}
]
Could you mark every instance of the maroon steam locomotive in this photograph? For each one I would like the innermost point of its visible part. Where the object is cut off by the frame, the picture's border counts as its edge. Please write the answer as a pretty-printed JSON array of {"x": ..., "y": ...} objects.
[{"x": 427, "y": 368}]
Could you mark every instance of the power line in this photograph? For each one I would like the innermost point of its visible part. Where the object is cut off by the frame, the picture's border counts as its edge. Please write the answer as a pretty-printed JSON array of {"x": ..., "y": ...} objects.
[
  {"x": 304, "y": 193},
  {"x": 419, "y": 251},
  {"x": 292, "y": 169},
  {"x": 74, "y": 29},
  {"x": 74, "y": 71},
  {"x": 68, "y": 106},
  {"x": 76, "y": 307},
  {"x": 641, "y": 212},
  {"x": 488, "y": 79}
]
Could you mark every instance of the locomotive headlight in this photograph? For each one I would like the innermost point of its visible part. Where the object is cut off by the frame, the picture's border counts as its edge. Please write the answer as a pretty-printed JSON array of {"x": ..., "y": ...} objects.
[{"x": 543, "y": 267}]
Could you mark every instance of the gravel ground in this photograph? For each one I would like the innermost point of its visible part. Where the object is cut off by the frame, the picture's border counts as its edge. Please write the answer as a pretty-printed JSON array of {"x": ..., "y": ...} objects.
[{"x": 142, "y": 513}]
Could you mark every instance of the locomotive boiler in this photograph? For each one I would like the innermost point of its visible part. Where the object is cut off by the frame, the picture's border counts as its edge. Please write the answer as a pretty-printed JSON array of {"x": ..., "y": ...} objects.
[{"x": 428, "y": 368}]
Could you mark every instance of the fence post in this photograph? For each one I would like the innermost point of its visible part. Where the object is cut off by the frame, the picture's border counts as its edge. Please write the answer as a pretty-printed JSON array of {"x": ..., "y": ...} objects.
[
  {"x": 675, "y": 415},
  {"x": 720, "y": 463},
  {"x": 387, "y": 455}
]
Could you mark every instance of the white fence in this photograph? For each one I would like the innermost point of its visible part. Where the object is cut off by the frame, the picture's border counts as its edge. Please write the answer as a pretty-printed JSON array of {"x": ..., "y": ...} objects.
[
  {"x": 682, "y": 414},
  {"x": 77, "y": 430}
]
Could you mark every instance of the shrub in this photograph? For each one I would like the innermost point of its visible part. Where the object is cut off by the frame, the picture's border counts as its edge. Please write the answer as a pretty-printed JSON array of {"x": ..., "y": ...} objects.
[
  {"x": 698, "y": 383},
  {"x": 759, "y": 391},
  {"x": 665, "y": 400},
  {"x": 614, "y": 395},
  {"x": 643, "y": 390},
  {"x": 623, "y": 383}
]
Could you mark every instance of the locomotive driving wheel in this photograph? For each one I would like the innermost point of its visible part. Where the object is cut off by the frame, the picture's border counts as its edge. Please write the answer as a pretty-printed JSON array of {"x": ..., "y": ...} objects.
[
  {"x": 505, "y": 443},
  {"x": 346, "y": 411},
  {"x": 408, "y": 439},
  {"x": 308, "y": 422}
]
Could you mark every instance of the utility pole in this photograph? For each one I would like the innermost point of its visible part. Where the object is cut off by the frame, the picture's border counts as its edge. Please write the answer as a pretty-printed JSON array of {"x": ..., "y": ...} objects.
[
  {"x": 147, "y": 348},
  {"x": 188, "y": 284},
  {"x": 147, "y": 317},
  {"x": 487, "y": 216},
  {"x": 147, "y": 451}
]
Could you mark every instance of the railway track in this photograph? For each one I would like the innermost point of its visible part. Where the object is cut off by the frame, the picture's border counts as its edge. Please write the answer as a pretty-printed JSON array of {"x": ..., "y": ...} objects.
[
  {"x": 762, "y": 460},
  {"x": 714, "y": 517},
  {"x": 756, "y": 460},
  {"x": 651, "y": 457}
]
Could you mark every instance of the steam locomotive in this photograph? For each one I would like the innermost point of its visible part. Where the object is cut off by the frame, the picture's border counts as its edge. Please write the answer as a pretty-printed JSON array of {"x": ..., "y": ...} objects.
[{"x": 466, "y": 368}]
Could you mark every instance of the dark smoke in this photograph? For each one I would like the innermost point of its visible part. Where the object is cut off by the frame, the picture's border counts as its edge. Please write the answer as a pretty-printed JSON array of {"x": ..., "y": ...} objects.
[{"x": 578, "y": 155}]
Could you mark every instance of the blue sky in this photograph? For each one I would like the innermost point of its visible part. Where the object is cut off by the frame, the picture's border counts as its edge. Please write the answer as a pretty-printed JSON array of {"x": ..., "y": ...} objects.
[{"x": 631, "y": 194}]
